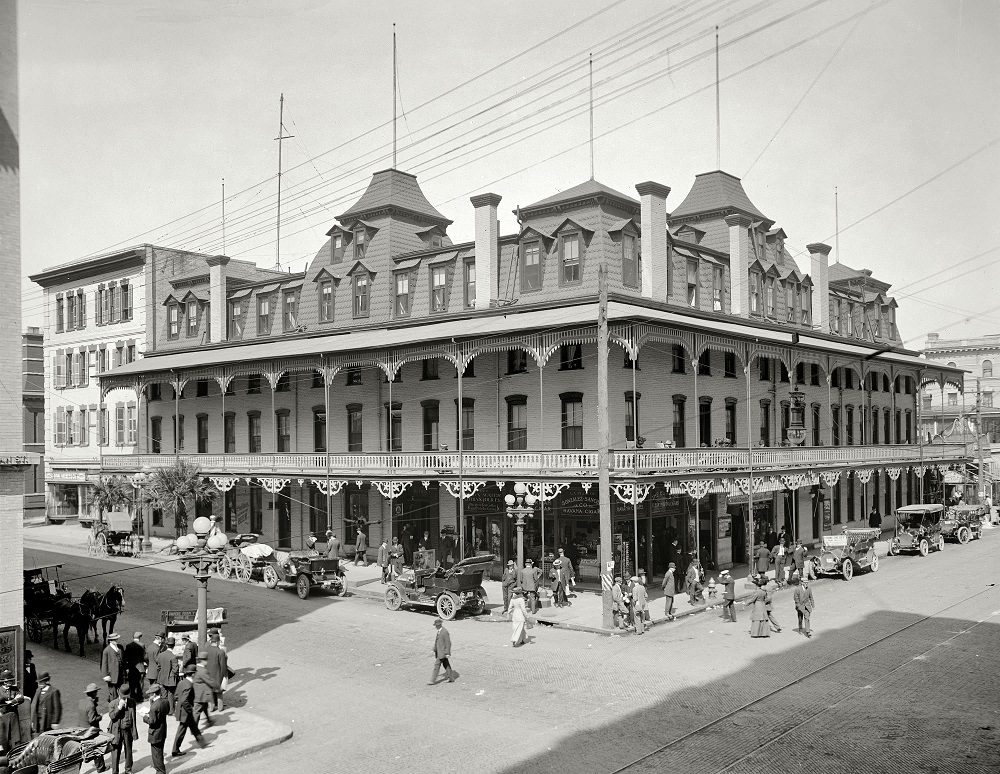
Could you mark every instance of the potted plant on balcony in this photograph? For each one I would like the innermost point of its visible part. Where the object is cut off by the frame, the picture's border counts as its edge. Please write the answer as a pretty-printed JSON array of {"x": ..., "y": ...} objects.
[{"x": 171, "y": 489}]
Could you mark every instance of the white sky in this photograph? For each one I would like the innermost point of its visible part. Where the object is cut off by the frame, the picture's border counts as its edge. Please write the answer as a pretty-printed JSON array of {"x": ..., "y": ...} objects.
[{"x": 133, "y": 111}]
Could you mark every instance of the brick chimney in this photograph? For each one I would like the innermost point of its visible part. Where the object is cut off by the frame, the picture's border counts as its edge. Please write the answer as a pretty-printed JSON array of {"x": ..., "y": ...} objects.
[
  {"x": 487, "y": 248},
  {"x": 739, "y": 265},
  {"x": 217, "y": 297},
  {"x": 819, "y": 256},
  {"x": 655, "y": 257}
]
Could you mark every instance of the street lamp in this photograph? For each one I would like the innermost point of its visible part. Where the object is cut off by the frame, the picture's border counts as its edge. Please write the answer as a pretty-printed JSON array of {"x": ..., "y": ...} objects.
[
  {"x": 797, "y": 418},
  {"x": 204, "y": 553},
  {"x": 519, "y": 505},
  {"x": 138, "y": 481}
]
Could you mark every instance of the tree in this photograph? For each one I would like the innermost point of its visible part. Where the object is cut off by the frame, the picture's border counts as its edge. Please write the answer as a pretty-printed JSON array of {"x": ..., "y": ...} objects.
[
  {"x": 172, "y": 489},
  {"x": 111, "y": 493}
]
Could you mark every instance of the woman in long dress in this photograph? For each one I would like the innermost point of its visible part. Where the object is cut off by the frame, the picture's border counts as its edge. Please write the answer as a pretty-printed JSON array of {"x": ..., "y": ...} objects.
[
  {"x": 759, "y": 626},
  {"x": 518, "y": 619}
]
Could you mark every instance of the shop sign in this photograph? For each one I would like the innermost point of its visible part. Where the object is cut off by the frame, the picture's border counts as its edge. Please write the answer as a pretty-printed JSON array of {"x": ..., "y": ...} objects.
[
  {"x": 725, "y": 527},
  {"x": 12, "y": 651},
  {"x": 827, "y": 515},
  {"x": 488, "y": 501}
]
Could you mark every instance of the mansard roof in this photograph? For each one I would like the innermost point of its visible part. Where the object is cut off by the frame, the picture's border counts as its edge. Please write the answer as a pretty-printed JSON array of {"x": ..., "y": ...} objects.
[
  {"x": 714, "y": 192},
  {"x": 588, "y": 190},
  {"x": 395, "y": 191}
]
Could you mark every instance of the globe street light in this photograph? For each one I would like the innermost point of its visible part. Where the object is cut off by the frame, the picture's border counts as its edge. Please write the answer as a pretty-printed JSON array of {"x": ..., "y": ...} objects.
[
  {"x": 519, "y": 505},
  {"x": 138, "y": 481},
  {"x": 203, "y": 551}
]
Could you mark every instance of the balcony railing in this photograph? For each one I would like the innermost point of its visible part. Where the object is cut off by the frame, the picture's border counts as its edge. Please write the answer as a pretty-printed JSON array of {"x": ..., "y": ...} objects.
[{"x": 525, "y": 463}]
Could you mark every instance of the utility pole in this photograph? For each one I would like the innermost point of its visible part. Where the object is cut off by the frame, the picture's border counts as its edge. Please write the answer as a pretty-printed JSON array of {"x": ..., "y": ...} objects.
[
  {"x": 281, "y": 136},
  {"x": 979, "y": 440},
  {"x": 603, "y": 440}
]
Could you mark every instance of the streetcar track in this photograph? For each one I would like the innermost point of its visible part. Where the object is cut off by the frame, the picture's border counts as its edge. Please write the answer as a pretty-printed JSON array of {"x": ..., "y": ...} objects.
[{"x": 802, "y": 678}]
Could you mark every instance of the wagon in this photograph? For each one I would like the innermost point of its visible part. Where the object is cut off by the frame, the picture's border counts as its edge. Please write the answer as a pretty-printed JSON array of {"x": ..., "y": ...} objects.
[
  {"x": 847, "y": 553},
  {"x": 963, "y": 523},
  {"x": 448, "y": 591},
  {"x": 42, "y": 588},
  {"x": 242, "y": 557},
  {"x": 114, "y": 535},
  {"x": 306, "y": 570},
  {"x": 918, "y": 529}
]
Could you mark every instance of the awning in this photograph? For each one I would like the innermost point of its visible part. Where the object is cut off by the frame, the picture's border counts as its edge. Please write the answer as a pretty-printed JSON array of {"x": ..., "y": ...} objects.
[
  {"x": 240, "y": 294},
  {"x": 264, "y": 289},
  {"x": 443, "y": 258},
  {"x": 410, "y": 264}
]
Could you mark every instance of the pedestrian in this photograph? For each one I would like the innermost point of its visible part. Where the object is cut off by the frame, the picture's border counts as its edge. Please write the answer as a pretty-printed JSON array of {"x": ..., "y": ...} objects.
[
  {"x": 518, "y": 619},
  {"x": 184, "y": 712},
  {"x": 46, "y": 707},
  {"x": 442, "y": 653},
  {"x": 528, "y": 581},
  {"x": 396, "y": 557},
  {"x": 11, "y": 699},
  {"x": 168, "y": 671},
  {"x": 447, "y": 549},
  {"x": 87, "y": 714},
  {"x": 112, "y": 666},
  {"x": 30, "y": 682},
  {"x": 875, "y": 520},
  {"x": 217, "y": 662},
  {"x": 383, "y": 560},
  {"x": 134, "y": 656},
  {"x": 728, "y": 596},
  {"x": 189, "y": 656},
  {"x": 771, "y": 539},
  {"x": 780, "y": 560},
  {"x": 152, "y": 651},
  {"x": 674, "y": 557},
  {"x": 558, "y": 578},
  {"x": 758, "y": 618},
  {"x": 508, "y": 583},
  {"x": 763, "y": 558},
  {"x": 669, "y": 589},
  {"x": 618, "y": 607},
  {"x": 640, "y": 604},
  {"x": 569, "y": 574},
  {"x": 156, "y": 719},
  {"x": 769, "y": 606},
  {"x": 123, "y": 728},
  {"x": 425, "y": 542},
  {"x": 406, "y": 539},
  {"x": 804, "y": 605},
  {"x": 204, "y": 690},
  {"x": 360, "y": 546},
  {"x": 799, "y": 557},
  {"x": 692, "y": 581},
  {"x": 332, "y": 545}
]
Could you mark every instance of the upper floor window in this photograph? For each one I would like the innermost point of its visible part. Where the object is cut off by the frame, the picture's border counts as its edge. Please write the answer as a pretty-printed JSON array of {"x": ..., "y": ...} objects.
[
  {"x": 570, "y": 357},
  {"x": 338, "y": 248},
  {"x": 263, "y": 315},
  {"x": 517, "y": 361},
  {"x": 835, "y": 315},
  {"x": 236, "y": 319},
  {"x": 403, "y": 295},
  {"x": 359, "y": 243},
  {"x": 290, "y": 314},
  {"x": 439, "y": 288},
  {"x": 531, "y": 266},
  {"x": 253, "y": 384},
  {"x": 326, "y": 301},
  {"x": 60, "y": 319},
  {"x": 70, "y": 311},
  {"x": 572, "y": 420},
  {"x": 791, "y": 299},
  {"x": 430, "y": 369},
  {"x": 517, "y": 422},
  {"x": 692, "y": 283},
  {"x": 952, "y": 398},
  {"x": 361, "y": 295},
  {"x": 570, "y": 245},
  {"x": 805, "y": 305},
  {"x": 770, "y": 297},
  {"x": 173, "y": 321},
  {"x": 755, "y": 301},
  {"x": 987, "y": 400},
  {"x": 890, "y": 322},
  {"x": 729, "y": 365},
  {"x": 355, "y": 435},
  {"x": 717, "y": 288},
  {"x": 678, "y": 359},
  {"x": 878, "y": 320},
  {"x": 470, "y": 284},
  {"x": 126, "y": 300},
  {"x": 987, "y": 369},
  {"x": 928, "y": 402},
  {"x": 192, "y": 318},
  {"x": 849, "y": 320},
  {"x": 630, "y": 261},
  {"x": 632, "y": 415}
]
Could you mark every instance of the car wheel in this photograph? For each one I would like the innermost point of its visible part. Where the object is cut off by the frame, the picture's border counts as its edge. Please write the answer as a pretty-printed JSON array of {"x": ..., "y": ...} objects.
[
  {"x": 874, "y": 564},
  {"x": 302, "y": 586},
  {"x": 270, "y": 577},
  {"x": 393, "y": 599},
  {"x": 479, "y": 607},
  {"x": 847, "y": 570},
  {"x": 893, "y": 548},
  {"x": 940, "y": 543},
  {"x": 446, "y": 607},
  {"x": 963, "y": 535},
  {"x": 925, "y": 547}
]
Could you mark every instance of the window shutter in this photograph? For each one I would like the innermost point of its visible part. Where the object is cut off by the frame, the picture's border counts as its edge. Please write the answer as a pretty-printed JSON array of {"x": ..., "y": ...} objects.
[
  {"x": 60, "y": 426},
  {"x": 84, "y": 368},
  {"x": 81, "y": 301},
  {"x": 57, "y": 377},
  {"x": 98, "y": 310},
  {"x": 120, "y": 424}
]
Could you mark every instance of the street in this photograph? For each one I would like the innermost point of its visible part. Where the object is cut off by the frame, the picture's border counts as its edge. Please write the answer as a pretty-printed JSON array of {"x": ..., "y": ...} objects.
[{"x": 900, "y": 674}]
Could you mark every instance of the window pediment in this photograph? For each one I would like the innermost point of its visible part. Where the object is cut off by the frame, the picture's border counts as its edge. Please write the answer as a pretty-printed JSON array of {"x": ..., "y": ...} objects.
[
  {"x": 570, "y": 225},
  {"x": 530, "y": 233},
  {"x": 360, "y": 267},
  {"x": 326, "y": 274}
]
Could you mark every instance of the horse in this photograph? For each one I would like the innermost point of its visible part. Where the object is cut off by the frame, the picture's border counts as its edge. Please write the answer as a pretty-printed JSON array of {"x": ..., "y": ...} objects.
[
  {"x": 104, "y": 608},
  {"x": 69, "y": 612}
]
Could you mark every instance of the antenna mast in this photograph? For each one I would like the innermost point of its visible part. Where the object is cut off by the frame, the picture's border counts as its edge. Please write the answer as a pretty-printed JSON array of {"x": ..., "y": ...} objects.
[
  {"x": 718, "y": 113},
  {"x": 393, "y": 95},
  {"x": 281, "y": 136},
  {"x": 223, "y": 216},
  {"x": 836, "y": 221},
  {"x": 591, "y": 58}
]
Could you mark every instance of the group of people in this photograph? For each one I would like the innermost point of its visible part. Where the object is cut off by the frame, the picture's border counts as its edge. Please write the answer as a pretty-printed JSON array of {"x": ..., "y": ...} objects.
[
  {"x": 24, "y": 715},
  {"x": 521, "y": 591},
  {"x": 762, "y": 620},
  {"x": 786, "y": 560},
  {"x": 630, "y": 602}
]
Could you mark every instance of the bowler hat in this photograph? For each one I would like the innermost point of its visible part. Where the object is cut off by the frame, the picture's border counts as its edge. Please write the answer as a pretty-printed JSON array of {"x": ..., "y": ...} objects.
[
  {"x": 114, "y": 636},
  {"x": 438, "y": 621},
  {"x": 171, "y": 642},
  {"x": 190, "y": 669},
  {"x": 44, "y": 677},
  {"x": 91, "y": 688},
  {"x": 124, "y": 690},
  {"x": 153, "y": 688}
]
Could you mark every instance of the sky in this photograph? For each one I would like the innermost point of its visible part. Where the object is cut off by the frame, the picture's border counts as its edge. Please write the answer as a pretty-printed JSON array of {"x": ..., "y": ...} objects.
[{"x": 133, "y": 113}]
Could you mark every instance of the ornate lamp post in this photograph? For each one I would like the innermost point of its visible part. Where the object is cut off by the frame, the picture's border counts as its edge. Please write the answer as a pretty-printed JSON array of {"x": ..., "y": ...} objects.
[
  {"x": 521, "y": 504},
  {"x": 138, "y": 481},
  {"x": 797, "y": 418},
  {"x": 204, "y": 553}
]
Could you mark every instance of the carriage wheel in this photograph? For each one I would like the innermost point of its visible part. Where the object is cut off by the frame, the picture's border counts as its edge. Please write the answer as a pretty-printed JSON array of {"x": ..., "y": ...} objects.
[
  {"x": 91, "y": 546},
  {"x": 446, "y": 607},
  {"x": 480, "y": 604},
  {"x": 243, "y": 568},
  {"x": 847, "y": 570},
  {"x": 224, "y": 567},
  {"x": 270, "y": 577},
  {"x": 302, "y": 586},
  {"x": 102, "y": 545},
  {"x": 393, "y": 599},
  {"x": 34, "y": 627},
  {"x": 874, "y": 564}
]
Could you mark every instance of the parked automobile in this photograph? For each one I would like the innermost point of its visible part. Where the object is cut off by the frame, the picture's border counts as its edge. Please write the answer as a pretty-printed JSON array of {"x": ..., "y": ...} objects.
[
  {"x": 963, "y": 523},
  {"x": 847, "y": 553},
  {"x": 305, "y": 569},
  {"x": 918, "y": 529},
  {"x": 448, "y": 591}
]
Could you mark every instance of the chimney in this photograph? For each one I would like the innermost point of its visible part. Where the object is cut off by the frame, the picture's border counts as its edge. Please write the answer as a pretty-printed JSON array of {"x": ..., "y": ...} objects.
[
  {"x": 217, "y": 297},
  {"x": 739, "y": 265},
  {"x": 819, "y": 255},
  {"x": 655, "y": 258},
  {"x": 487, "y": 248}
]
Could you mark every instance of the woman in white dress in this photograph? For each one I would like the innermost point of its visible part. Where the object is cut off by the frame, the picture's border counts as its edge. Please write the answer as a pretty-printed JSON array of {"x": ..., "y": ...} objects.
[{"x": 518, "y": 619}]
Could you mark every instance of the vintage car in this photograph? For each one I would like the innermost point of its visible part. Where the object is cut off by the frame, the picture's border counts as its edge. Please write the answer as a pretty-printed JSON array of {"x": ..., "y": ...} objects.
[
  {"x": 963, "y": 523},
  {"x": 846, "y": 553},
  {"x": 306, "y": 569},
  {"x": 451, "y": 590},
  {"x": 918, "y": 528}
]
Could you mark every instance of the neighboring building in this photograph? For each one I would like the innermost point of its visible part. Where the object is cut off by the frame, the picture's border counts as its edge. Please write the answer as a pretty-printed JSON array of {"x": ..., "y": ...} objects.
[
  {"x": 103, "y": 313},
  {"x": 403, "y": 383},
  {"x": 33, "y": 392}
]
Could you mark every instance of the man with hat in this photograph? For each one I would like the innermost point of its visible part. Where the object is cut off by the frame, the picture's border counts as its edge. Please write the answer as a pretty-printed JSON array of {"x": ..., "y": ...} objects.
[
  {"x": 156, "y": 719},
  {"x": 332, "y": 545},
  {"x": 167, "y": 671},
  {"x": 184, "y": 711},
  {"x": 669, "y": 589},
  {"x": 528, "y": 580},
  {"x": 204, "y": 690},
  {"x": 30, "y": 683},
  {"x": 10, "y": 722},
  {"x": 217, "y": 663},
  {"x": 123, "y": 728},
  {"x": 152, "y": 651},
  {"x": 804, "y": 604},
  {"x": 640, "y": 603},
  {"x": 46, "y": 707},
  {"x": 728, "y": 597},
  {"x": 113, "y": 666},
  {"x": 190, "y": 654},
  {"x": 618, "y": 608},
  {"x": 508, "y": 582},
  {"x": 134, "y": 656},
  {"x": 88, "y": 716},
  {"x": 442, "y": 653}
]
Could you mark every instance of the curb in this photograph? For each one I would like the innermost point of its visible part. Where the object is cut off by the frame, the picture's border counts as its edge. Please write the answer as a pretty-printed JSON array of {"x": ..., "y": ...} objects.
[{"x": 285, "y": 733}]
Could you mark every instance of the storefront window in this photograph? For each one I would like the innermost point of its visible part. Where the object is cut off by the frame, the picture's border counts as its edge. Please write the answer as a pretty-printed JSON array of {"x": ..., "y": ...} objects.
[{"x": 67, "y": 499}]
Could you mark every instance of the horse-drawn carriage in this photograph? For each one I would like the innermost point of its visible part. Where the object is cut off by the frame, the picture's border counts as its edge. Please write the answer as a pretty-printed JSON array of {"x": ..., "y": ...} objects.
[
  {"x": 42, "y": 588},
  {"x": 242, "y": 558},
  {"x": 49, "y": 604},
  {"x": 114, "y": 535}
]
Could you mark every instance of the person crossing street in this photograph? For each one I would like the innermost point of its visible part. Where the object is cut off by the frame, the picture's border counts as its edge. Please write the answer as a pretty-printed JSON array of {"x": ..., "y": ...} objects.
[
  {"x": 728, "y": 596},
  {"x": 804, "y": 605},
  {"x": 184, "y": 712},
  {"x": 442, "y": 653}
]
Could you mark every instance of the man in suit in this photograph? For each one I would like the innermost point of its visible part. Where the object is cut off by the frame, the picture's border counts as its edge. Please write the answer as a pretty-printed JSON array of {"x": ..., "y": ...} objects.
[
  {"x": 360, "y": 546},
  {"x": 804, "y": 606},
  {"x": 442, "y": 653},
  {"x": 528, "y": 581},
  {"x": 332, "y": 545},
  {"x": 508, "y": 582},
  {"x": 167, "y": 671},
  {"x": 383, "y": 560},
  {"x": 134, "y": 656},
  {"x": 152, "y": 651},
  {"x": 640, "y": 604},
  {"x": 204, "y": 690},
  {"x": 407, "y": 540},
  {"x": 189, "y": 657},
  {"x": 112, "y": 666},
  {"x": 799, "y": 557},
  {"x": 30, "y": 683},
  {"x": 184, "y": 711},
  {"x": 618, "y": 607},
  {"x": 156, "y": 719},
  {"x": 123, "y": 728},
  {"x": 728, "y": 597},
  {"x": 669, "y": 589},
  {"x": 674, "y": 557},
  {"x": 217, "y": 663},
  {"x": 763, "y": 558},
  {"x": 771, "y": 539},
  {"x": 46, "y": 707},
  {"x": 87, "y": 708},
  {"x": 10, "y": 723}
]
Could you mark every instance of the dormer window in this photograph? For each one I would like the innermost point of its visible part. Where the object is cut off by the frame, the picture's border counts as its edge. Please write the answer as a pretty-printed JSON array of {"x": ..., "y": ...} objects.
[
  {"x": 326, "y": 301},
  {"x": 359, "y": 243},
  {"x": 439, "y": 295},
  {"x": 849, "y": 320},
  {"x": 570, "y": 247},
  {"x": 531, "y": 266},
  {"x": 630, "y": 261},
  {"x": 173, "y": 321},
  {"x": 835, "y": 315},
  {"x": 791, "y": 297},
  {"x": 470, "y": 284},
  {"x": 361, "y": 287},
  {"x": 717, "y": 288},
  {"x": 338, "y": 248},
  {"x": 692, "y": 283},
  {"x": 263, "y": 315},
  {"x": 236, "y": 320},
  {"x": 192, "y": 318},
  {"x": 403, "y": 295},
  {"x": 435, "y": 240},
  {"x": 805, "y": 305},
  {"x": 770, "y": 297},
  {"x": 290, "y": 314},
  {"x": 755, "y": 301},
  {"x": 878, "y": 320}
]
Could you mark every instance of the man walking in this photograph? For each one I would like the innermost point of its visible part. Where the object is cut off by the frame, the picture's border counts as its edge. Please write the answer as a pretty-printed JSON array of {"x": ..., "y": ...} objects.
[
  {"x": 135, "y": 664},
  {"x": 112, "y": 666},
  {"x": 123, "y": 729},
  {"x": 799, "y": 557},
  {"x": 152, "y": 666},
  {"x": 332, "y": 545},
  {"x": 669, "y": 589},
  {"x": 184, "y": 712},
  {"x": 360, "y": 547},
  {"x": 167, "y": 670},
  {"x": 383, "y": 560},
  {"x": 156, "y": 719},
  {"x": 88, "y": 716},
  {"x": 804, "y": 606},
  {"x": 204, "y": 690},
  {"x": 640, "y": 603},
  {"x": 529, "y": 578},
  {"x": 46, "y": 707},
  {"x": 507, "y": 583},
  {"x": 217, "y": 663},
  {"x": 728, "y": 597},
  {"x": 442, "y": 653}
]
